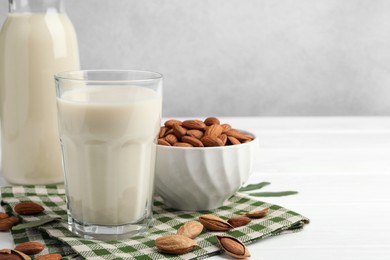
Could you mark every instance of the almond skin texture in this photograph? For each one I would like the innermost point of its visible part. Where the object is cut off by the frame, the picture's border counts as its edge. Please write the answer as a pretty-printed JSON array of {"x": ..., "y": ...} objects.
[
  {"x": 9, "y": 254},
  {"x": 239, "y": 221},
  {"x": 3, "y": 215},
  {"x": 163, "y": 130},
  {"x": 233, "y": 140},
  {"x": 171, "y": 122},
  {"x": 257, "y": 213},
  {"x": 234, "y": 133},
  {"x": 171, "y": 139},
  {"x": 175, "y": 244},
  {"x": 195, "y": 133},
  {"x": 30, "y": 248},
  {"x": 7, "y": 223},
  {"x": 170, "y": 131},
  {"x": 28, "y": 208},
  {"x": 214, "y": 223},
  {"x": 211, "y": 121},
  {"x": 214, "y": 130},
  {"x": 194, "y": 124},
  {"x": 163, "y": 142},
  {"x": 49, "y": 257},
  {"x": 211, "y": 141},
  {"x": 223, "y": 138},
  {"x": 179, "y": 131},
  {"x": 192, "y": 140},
  {"x": 190, "y": 229},
  {"x": 233, "y": 247}
]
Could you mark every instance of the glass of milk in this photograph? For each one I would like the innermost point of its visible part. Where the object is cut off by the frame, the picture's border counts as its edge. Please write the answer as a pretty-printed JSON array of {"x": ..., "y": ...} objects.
[{"x": 109, "y": 121}]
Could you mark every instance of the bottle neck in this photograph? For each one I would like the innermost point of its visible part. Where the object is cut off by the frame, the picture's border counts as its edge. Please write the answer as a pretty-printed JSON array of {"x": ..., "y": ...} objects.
[{"x": 36, "y": 6}]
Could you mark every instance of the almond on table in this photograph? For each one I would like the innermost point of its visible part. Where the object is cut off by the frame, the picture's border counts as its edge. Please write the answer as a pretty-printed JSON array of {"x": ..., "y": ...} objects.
[
  {"x": 7, "y": 223},
  {"x": 198, "y": 133},
  {"x": 28, "y": 208},
  {"x": 233, "y": 247},
  {"x": 190, "y": 229},
  {"x": 214, "y": 223},
  {"x": 239, "y": 221},
  {"x": 30, "y": 248},
  {"x": 256, "y": 214},
  {"x": 175, "y": 244}
]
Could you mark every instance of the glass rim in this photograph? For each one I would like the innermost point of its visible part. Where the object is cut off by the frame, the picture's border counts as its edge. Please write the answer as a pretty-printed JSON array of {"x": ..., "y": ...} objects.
[{"x": 71, "y": 75}]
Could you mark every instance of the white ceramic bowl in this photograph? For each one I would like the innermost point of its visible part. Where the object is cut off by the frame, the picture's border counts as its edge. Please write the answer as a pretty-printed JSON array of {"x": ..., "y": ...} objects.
[{"x": 202, "y": 178}]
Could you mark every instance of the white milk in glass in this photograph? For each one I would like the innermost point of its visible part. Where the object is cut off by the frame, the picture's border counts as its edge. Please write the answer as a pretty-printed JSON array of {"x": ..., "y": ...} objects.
[
  {"x": 33, "y": 47},
  {"x": 108, "y": 136}
]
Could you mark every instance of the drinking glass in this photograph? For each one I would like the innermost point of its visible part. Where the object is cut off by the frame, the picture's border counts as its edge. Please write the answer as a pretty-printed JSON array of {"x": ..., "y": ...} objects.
[{"x": 108, "y": 123}]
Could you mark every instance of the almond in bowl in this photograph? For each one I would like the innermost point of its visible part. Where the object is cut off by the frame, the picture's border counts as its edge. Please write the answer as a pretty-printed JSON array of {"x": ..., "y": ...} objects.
[
  {"x": 201, "y": 163},
  {"x": 197, "y": 133}
]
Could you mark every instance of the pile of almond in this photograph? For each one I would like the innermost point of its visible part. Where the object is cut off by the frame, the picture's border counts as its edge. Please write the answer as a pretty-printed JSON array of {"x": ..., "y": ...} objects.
[
  {"x": 183, "y": 241},
  {"x": 198, "y": 133},
  {"x": 24, "y": 250}
]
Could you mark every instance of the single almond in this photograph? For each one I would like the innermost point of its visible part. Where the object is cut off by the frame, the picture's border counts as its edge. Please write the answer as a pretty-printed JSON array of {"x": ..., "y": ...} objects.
[
  {"x": 211, "y": 121},
  {"x": 208, "y": 140},
  {"x": 28, "y": 208},
  {"x": 7, "y": 223},
  {"x": 182, "y": 144},
  {"x": 240, "y": 136},
  {"x": 175, "y": 244},
  {"x": 194, "y": 124},
  {"x": 192, "y": 140},
  {"x": 3, "y": 215},
  {"x": 10, "y": 254},
  {"x": 162, "y": 132},
  {"x": 214, "y": 223},
  {"x": 179, "y": 131},
  {"x": 214, "y": 130},
  {"x": 30, "y": 248},
  {"x": 162, "y": 141},
  {"x": 233, "y": 140},
  {"x": 171, "y": 122},
  {"x": 190, "y": 229},
  {"x": 195, "y": 133},
  {"x": 233, "y": 247},
  {"x": 239, "y": 221},
  {"x": 257, "y": 213},
  {"x": 171, "y": 138},
  {"x": 49, "y": 257}
]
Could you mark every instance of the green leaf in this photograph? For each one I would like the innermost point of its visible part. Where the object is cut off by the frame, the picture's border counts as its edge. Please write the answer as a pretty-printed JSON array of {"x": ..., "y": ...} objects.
[
  {"x": 273, "y": 194},
  {"x": 256, "y": 186},
  {"x": 35, "y": 223}
]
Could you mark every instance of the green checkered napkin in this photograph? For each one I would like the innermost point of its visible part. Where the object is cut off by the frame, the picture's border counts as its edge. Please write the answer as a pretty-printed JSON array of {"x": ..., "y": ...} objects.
[{"x": 165, "y": 221}]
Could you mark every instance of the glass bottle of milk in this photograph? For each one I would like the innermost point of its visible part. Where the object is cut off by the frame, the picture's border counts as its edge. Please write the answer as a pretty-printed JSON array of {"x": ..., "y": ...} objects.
[{"x": 37, "y": 40}]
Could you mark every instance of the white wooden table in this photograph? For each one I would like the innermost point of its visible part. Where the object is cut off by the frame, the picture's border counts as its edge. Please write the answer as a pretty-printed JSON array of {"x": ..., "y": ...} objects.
[{"x": 341, "y": 168}]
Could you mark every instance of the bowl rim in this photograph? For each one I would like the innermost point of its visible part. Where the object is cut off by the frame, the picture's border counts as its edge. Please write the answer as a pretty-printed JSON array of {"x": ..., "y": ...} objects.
[{"x": 255, "y": 138}]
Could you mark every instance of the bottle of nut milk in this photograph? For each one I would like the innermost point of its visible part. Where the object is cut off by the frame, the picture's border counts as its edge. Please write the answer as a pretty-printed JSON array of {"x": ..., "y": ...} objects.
[{"x": 37, "y": 40}]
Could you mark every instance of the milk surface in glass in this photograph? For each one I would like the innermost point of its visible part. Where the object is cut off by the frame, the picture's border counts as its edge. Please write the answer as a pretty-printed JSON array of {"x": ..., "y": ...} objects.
[
  {"x": 33, "y": 47},
  {"x": 108, "y": 136}
]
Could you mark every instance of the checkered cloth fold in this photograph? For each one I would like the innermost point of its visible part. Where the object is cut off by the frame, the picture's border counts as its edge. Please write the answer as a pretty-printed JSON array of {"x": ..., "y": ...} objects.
[{"x": 59, "y": 239}]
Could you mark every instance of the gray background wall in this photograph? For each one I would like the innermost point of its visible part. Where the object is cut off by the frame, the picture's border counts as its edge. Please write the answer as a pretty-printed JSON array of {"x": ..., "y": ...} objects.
[{"x": 242, "y": 58}]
